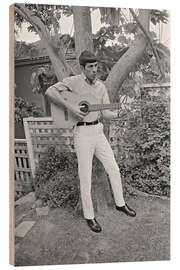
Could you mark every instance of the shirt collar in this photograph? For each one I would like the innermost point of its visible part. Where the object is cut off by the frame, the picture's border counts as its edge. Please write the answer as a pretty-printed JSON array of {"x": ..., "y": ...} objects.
[{"x": 87, "y": 80}]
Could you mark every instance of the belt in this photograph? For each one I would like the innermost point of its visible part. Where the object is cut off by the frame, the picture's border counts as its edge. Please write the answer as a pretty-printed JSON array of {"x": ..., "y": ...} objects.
[{"x": 87, "y": 123}]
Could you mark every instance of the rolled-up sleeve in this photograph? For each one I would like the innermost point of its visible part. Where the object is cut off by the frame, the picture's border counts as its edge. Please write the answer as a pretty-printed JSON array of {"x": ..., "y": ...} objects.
[{"x": 65, "y": 85}]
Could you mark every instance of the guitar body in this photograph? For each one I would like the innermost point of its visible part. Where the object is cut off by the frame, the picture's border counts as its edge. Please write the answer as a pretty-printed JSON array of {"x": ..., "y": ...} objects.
[{"x": 62, "y": 117}]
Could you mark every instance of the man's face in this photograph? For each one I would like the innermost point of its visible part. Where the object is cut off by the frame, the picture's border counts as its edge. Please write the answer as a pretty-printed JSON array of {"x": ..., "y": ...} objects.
[{"x": 90, "y": 70}]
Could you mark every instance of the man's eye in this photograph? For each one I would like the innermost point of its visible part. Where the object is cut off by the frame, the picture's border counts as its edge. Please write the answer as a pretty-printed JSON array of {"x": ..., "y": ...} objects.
[{"x": 91, "y": 66}]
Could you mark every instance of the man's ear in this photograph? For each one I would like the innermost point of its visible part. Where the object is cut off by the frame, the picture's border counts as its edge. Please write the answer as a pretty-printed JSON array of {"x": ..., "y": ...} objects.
[{"x": 82, "y": 67}]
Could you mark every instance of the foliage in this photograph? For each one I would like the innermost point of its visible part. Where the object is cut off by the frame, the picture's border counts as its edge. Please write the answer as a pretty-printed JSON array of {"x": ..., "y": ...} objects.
[
  {"x": 147, "y": 70},
  {"x": 37, "y": 49},
  {"x": 51, "y": 14},
  {"x": 22, "y": 109},
  {"x": 56, "y": 182},
  {"x": 110, "y": 42},
  {"x": 122, "y": 34},
  {"x": 159, "y": 16},
  {"x": 110, "y": 15},
  {"x": 119, "y": 16},
  {"x": 48, "y": 14},
  {"x": 23, "y": 50},
  {"x": 147, "y": 145}
]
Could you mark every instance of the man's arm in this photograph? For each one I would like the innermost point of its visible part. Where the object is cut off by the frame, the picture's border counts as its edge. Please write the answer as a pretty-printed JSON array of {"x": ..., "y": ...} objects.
[
  {"x": 54, "y": 94},
  {"x": 107, "y": 114},
  {"x": 112, "y": 115}
]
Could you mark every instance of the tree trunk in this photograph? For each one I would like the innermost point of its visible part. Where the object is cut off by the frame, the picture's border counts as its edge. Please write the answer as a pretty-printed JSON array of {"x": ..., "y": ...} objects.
[
  {"x": 60, "y": 66},
  {"x": 83, "y": 30},
  {"x": 122, "y": 68},
  {"x": 125, "y": 64}
]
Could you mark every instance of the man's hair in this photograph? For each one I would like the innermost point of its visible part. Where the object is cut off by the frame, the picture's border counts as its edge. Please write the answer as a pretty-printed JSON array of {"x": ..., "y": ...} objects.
[{"x": 87, "y": 57}]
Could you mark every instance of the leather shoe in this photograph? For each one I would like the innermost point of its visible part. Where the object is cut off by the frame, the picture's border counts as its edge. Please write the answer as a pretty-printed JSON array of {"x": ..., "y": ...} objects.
[
  {"x": 94, "y": 225},
  {"x": 127, "y": 210}
]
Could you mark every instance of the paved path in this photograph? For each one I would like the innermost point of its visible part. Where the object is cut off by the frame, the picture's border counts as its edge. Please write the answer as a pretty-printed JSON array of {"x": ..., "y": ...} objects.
[{"x": 63, "y": 238}]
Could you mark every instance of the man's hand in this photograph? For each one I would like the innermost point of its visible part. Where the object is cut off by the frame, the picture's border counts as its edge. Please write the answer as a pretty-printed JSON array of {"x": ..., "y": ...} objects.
[{"x": 76, "y": 110}]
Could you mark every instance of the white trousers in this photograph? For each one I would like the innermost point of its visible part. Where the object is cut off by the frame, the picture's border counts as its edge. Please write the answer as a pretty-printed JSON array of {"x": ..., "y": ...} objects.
[{"x": 89, "y": 141}]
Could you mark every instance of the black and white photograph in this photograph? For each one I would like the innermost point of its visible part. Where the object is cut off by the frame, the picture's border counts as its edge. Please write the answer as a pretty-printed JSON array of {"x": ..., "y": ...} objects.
[{"x": 90, "y": 134}]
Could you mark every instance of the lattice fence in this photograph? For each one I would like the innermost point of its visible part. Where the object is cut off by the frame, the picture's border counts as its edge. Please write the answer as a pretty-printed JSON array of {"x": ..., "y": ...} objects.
[
  {"x": 40, "y": 134},
  {"x": 23, "y": 175}
]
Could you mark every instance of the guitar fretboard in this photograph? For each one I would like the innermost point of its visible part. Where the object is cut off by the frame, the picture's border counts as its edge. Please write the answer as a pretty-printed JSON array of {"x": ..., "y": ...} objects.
[{"x": 99, "y": 107}]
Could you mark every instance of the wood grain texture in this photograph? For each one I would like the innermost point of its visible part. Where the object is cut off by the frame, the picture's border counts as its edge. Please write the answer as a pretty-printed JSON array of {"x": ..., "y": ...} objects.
[{"x": 11, "y": 142}]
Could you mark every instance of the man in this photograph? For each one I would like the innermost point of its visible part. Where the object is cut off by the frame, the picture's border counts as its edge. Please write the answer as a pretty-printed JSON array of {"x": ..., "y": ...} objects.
[{"x": 89, "y": 138}]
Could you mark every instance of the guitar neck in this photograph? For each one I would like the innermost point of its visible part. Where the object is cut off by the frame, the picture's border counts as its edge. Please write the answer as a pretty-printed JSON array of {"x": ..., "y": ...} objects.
[{"x": 99, "y": 107}]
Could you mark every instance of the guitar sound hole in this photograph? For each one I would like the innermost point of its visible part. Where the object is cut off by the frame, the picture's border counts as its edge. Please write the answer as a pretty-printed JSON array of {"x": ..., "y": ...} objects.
[{"x": 85, "y": 107}]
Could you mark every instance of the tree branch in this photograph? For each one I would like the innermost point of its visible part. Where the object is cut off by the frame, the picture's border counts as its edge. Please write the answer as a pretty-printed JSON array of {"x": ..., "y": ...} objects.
[
  {"x": 21, "y": 12},
  {"x": 61, "y": 68},
  {"x": 34, "y": 20},
  {"x": 55, "y": 29},
  {"x": 125, "y": 64},
  {"x": 149, "y": 40}
]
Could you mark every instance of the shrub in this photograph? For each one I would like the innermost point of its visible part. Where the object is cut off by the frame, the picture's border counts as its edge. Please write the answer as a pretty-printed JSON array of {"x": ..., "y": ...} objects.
[
  {"x": 59, "y": 191},
  {"x": 25, "y": 109},
  {"x": 147, "y": 146},
  {"x": 56, "y": 181}
]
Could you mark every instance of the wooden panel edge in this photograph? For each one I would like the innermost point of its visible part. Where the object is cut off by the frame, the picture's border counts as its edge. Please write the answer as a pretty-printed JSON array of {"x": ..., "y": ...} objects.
[{"x": 11, "y": 136}]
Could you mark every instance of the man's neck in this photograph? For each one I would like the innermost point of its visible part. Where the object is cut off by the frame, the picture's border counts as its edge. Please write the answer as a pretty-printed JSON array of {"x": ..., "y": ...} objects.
[{"x": 88, "y": 80}]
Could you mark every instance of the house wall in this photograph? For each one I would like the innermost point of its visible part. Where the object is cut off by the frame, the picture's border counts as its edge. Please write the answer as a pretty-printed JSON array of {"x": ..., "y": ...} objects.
[
  {"x": 23, "y": 71},
  {"x": 23, "y": 85}
]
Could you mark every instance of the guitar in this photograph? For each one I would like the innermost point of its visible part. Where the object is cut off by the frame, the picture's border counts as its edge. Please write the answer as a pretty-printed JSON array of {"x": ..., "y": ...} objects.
[{"x": 64, "y": 118}]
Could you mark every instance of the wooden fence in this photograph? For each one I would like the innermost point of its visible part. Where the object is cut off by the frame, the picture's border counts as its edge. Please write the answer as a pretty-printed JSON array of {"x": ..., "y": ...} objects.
[
  {"x": 40, "y": 134},
  {"x": 22, "y": 174}
]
